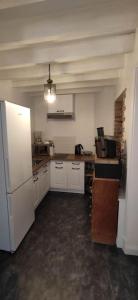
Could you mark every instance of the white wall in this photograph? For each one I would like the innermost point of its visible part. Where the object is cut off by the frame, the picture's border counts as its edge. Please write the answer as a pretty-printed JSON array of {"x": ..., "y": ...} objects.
[
  {"x": 91, "y": 111},
  {"x": 104, "y": 110},
  {"x": 7, "y": 92},
  {"x": 127, "y": 80},
  {"x": 131, "y": 236},
  {"x": 82, "y": 128}
]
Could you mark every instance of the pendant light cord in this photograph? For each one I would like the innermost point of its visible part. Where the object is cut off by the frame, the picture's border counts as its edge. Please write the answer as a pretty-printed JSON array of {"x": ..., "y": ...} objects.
[
  {"x": 50, "y": 89},
  {"x": 49, "y": 72},
  {"x": 49, "y": 79}
]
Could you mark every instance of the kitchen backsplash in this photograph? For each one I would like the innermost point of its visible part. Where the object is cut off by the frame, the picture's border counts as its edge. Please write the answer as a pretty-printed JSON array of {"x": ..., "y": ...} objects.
[{"x": 64, "y": 144}]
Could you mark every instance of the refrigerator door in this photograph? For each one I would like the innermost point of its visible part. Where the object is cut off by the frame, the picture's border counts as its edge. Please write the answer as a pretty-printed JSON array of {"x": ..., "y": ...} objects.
[
  {"x": 17, "y": 144},
  {"x": 4, "y": 215},
  {"x": 21, "y": 213}
]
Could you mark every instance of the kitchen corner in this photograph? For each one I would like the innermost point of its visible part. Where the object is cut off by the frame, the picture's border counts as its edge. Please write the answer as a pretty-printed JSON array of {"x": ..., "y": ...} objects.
[
  {"x": 60, "y": 172},
  {"x": 64, "y": 172}
]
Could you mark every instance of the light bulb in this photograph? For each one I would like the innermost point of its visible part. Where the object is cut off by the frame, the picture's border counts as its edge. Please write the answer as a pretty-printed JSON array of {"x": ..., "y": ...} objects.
[{"x": 50, "y": 97}]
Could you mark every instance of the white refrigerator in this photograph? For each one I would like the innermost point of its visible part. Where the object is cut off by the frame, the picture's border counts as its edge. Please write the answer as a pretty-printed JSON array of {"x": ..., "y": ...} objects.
[{"x": 16, "y": 183}]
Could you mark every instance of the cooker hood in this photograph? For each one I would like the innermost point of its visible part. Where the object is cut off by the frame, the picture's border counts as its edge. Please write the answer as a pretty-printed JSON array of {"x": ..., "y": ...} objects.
[
  {"x": 62, "y": 108},
  {"x": 61, "y": 115}
]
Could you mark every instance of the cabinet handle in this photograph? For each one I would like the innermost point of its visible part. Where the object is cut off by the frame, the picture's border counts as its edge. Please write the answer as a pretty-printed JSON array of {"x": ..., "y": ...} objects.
[
  {"x": 61, "y": 110},
  {"x": 59, "y": 167},
  {"x": 75, "y": 163},
  {"x": 45, "y": 166},
  {"x": 35, "y": 179},
  {"x": 75, "y": 168},
  {"x": 35, "y": 174},
  {"x": 59, "y": 163}
]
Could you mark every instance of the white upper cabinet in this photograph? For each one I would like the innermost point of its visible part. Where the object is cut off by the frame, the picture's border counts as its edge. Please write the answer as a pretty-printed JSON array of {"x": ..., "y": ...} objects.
[{"x": 63, "y": 105}]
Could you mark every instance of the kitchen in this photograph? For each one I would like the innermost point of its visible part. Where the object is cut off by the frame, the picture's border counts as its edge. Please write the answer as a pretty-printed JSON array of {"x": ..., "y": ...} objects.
[{"x": 60, "y": 214}]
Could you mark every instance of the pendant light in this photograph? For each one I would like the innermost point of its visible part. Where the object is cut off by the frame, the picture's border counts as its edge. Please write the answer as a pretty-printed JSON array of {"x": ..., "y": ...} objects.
[{"x": 49, "y": 90}]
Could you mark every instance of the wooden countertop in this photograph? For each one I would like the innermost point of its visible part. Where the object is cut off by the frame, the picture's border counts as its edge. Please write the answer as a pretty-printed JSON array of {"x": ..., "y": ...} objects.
[
  {"x": 71, "y": 157},
  {"x": 43, "y": 160}
]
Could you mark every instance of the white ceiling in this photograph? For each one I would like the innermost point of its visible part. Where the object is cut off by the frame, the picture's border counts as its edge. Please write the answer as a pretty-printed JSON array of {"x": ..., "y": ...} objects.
[{"x": 84, "y": 40}]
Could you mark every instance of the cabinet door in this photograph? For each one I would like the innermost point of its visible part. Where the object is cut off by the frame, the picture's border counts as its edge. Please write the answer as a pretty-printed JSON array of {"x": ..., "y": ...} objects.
[
  {"x": 36, "y": 190},
  {"x": 105, "y": 210},
  {"x": 53, "y": 107},
  {"x": 41, "y": 184},
  {"x": 58, "y": 176},
  {"x": 17, "y": 144},
  {"x": 63, "y": 103},
  {"x": 21, "y": 212},
  {"x": 47, "y": 178},
  {"x": 43, "y": 181},
  {"x": 76, "y": 176}
]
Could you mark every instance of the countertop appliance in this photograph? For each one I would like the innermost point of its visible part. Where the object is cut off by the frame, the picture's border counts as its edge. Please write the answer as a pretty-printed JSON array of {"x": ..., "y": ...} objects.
[
  {"x": 40, "y": 149},
  {"x": 105, "y": 145},
  {"x": 78, "y": 149},
  {"x": 43, "y": 148},
  {"x": 16, "y": 183}
]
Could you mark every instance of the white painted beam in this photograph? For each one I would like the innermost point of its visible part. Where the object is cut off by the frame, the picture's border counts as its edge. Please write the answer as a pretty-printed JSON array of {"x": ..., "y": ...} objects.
[
  {"x": 87, "y": 90},
  {"x": 67, "y": 21},
  {"x": 94, "y": 76},
  {"x": 72, "y": 85},
  {"x": 93, "y": 64},
  {"x": 80, "y": 90},
  {"x": 4, "y": 4},
  {"x": 96, "y": 47},
  {"x": 98, "y": 83},
  {"x": 100, "y": 75},
  {"x": 69, "y": 52},
  {"x": 79, "y": 67}
]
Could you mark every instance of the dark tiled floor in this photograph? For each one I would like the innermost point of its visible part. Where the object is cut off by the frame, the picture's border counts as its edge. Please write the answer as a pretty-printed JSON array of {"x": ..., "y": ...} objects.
[{"x": 58, "y": 261}]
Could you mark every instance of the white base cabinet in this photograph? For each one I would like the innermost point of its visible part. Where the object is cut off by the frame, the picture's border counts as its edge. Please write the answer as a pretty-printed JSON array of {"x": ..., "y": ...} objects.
[
  {"x": 41, "y": 184},
  {"x": 67, "y": 176},
  {"x": 75, "y": 172},
  {"x": 36, "y": 189},
  {"x": 58, "y": 178}
]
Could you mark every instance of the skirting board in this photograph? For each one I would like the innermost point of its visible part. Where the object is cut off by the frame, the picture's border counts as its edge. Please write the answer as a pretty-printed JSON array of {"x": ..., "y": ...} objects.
[
  {"x": 120, "y": 242},
  {"x": 121, "y": 221},
  {"x": 127, "y": 249},
  {"x": 130, "y": 249}
]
